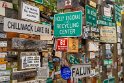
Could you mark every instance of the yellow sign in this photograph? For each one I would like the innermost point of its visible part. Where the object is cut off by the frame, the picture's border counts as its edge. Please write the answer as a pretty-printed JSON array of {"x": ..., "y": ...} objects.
[
  {"x": 93, "y": 4},
  {"x": 118, "y": 23},
  {"x": 2, "y": 61},
  {"x": 108, "y": 34},
  {"x": 73, "y": 45}
]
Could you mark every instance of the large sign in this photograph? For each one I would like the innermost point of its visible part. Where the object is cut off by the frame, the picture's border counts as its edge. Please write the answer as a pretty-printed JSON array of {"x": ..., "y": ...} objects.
[
  {"x": 80, "y": 71},
  {"x": 20, "y": 43},
  {"x": 19, "y": 26},
  {"x": 30, "y": 62},
  {"x": 91, "y": 17},
  {"x": 62, "y": 44},
  {"x": 68, "y": 24},
  {"x": 108, "y": 34},
  {"x": 73, "y": 45},
  {"x": 30, "y": 12}
]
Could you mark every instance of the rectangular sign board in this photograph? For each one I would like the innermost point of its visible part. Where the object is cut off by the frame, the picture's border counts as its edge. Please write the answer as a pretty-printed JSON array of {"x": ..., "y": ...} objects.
[
  {"x": 30, "y": 62},
  {"x": 68, "y": 24},
  {"x": 61, "y": 44},
  {"x": 19, "y": 26},
  {"x": 30, "y": 12},
  {"x": 91, "y": 17},
  {"x": 80, "y": 71}
]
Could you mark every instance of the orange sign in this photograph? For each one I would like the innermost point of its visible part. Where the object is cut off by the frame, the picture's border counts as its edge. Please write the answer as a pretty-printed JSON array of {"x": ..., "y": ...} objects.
[
  {"x": 73, "y": 45},
  {"x": 2, "y": 61}
]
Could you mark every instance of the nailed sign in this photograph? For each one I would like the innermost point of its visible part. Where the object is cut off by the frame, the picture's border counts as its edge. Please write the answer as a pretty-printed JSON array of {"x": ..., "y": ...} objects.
[
  {"x": 30, "y": 12},
  {"x": 80, "y": 71},
  {"x": 73, "y": 45},
  {"x": 108, "y": 34},
  {"x": 19, "y": 26},
  {"x": 68, "y": 24},
  {"x": 30, "y": 62},
  {"x": 91, "y": 17},
  {"x": 61, "y": 44}
]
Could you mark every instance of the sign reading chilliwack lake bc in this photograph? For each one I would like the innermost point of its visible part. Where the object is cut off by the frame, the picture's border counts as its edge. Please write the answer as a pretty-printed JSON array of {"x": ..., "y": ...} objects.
[
  {"x": 68, "y": 24},
  {"x": 19, "y": 26}
]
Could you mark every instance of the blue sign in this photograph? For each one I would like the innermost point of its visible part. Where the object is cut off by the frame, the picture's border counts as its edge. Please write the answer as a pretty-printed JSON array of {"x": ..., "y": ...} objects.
[{"x": 65, "y": 73}]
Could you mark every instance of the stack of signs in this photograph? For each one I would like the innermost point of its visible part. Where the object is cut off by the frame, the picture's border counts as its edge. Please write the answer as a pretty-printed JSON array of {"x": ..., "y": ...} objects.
[
  {"x": 30, "y": 60},
  {"x": 67, "y": 44},
  {"x": 4, "y": 74}
]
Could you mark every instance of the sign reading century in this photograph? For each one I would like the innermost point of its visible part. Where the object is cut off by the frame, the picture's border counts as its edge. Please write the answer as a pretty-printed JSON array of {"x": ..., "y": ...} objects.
[{"x": 68, "y": 24}]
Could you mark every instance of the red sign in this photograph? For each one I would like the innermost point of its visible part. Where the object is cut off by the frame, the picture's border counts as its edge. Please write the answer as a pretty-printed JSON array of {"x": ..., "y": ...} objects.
[{"x": 62, "y": 44}]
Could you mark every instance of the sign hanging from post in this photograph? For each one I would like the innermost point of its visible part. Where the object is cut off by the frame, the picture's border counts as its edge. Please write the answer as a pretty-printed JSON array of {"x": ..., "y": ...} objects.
[
  {"x": 62, "y": 44},
  {"x": 80, "y": 71},
  {"x": 68, "y": 24}
]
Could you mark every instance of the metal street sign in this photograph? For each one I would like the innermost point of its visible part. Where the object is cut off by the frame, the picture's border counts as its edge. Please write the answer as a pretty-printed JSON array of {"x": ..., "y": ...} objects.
[
  {"x": 104, "y": 23},
  {"x": 68, "y": 24},
  {"x": 117, "y": 13},
  {"x": 91, "y": 17}
]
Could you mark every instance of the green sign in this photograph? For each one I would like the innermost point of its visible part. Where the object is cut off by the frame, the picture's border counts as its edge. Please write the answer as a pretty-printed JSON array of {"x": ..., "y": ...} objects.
[
  {"x": 68, "y": 24},
  {"x": 110, "y": 80},
  {"x": 38, "y": 1},
  {"x": 106, "y": 18},
  {"x": 117, "y": 13},
  {"x": 108, "y": 62},
  {"x": 105, "y": 23},
  {"x": 91, "y": 17},
  {"x": 73, "y": 60}
]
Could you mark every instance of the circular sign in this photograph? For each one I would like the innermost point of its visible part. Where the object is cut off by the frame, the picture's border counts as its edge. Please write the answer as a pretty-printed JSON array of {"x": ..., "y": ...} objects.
[{"x": 65, "y": 73}]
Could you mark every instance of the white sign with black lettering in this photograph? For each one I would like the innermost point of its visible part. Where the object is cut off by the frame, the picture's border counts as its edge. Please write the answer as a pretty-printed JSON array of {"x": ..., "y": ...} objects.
[
  {"x": 43, "y": 73},
  {"x": 3, "y": 43},
  {"x": 30, "y": 62},
  {"x": 30, "y": 12},
  {"x": 80, "y": 71},
  {"x": 19, "y": 26}
]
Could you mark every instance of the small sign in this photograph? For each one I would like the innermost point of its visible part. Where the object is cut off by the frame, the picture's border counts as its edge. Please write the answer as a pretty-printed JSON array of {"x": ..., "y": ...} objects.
[
  {"x": 2, "y": 66},
  {"x": 30, "y": 12},
  {"x": 80, "y": 71},
  {"x": 68, "y": 24},
  {"x": 61, "y": 44},
  {"x": 91, "y": 17},
  {"x": 30, "y": 62},
  {"x": 108, "y": 62},
  {"x": 73, "y": 45},
  {"x": 43, "y": 73},
  {"x": 108, "y": 34},
  {"x": 5, "y": 73},
  {"x": 19, "y": 26},
  {"x": 65, "y": 73},
  {"x": 2, "y": 11},
  {"x": 4, "y": 4},
  {"x": 3, "y": 43},
  {"x": 38, "y": 1}
]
